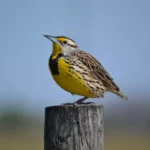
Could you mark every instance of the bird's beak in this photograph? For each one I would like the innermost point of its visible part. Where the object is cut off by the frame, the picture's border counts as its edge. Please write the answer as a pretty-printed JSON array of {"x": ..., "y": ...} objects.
[{"x": 52, "y": 38}]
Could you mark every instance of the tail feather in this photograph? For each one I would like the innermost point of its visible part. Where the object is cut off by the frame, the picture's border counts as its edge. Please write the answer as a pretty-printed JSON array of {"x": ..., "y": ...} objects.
[{"x": 119, "y": 93}]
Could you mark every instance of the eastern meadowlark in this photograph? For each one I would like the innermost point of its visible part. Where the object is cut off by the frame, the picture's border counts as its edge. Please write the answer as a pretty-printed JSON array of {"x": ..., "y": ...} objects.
[{"x": 79, "y": 72}]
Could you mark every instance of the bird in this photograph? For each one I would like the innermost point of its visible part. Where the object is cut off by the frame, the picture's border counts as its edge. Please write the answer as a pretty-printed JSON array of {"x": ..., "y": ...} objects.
[{"x": 78, "y": 72}]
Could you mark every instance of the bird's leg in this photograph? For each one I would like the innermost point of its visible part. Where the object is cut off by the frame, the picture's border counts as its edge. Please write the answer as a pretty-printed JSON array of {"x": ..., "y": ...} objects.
[{"x": 80, "y": 101}]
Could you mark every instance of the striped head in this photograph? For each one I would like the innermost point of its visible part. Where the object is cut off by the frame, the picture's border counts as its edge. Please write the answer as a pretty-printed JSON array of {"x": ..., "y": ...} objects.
[{"x": 62, "y": 44}]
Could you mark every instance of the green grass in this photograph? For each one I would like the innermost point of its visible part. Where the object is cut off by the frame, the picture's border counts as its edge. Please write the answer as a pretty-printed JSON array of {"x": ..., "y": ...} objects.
[
  {"x": 127, "y": 142},
  {"x": 35, "y": 141},
  {"x": 22, "y": 141}
]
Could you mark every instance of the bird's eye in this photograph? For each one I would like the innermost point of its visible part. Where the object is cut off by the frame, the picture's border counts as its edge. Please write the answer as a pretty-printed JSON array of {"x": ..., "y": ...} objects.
[{"x": 65, "y": 42}]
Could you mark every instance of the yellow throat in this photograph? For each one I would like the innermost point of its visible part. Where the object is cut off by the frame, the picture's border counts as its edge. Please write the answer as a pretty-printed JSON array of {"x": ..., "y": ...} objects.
[{"x": 56, "y": 50}]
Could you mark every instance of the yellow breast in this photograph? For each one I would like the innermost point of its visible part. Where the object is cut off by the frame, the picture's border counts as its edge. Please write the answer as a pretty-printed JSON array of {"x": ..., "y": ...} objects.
[{"x": 69, "y": 79}]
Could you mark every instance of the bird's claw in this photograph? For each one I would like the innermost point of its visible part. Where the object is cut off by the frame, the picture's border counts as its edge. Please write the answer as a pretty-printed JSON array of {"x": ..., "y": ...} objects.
[
  {"x": 64, "y": 104},
  {"x": 76, "y": 104},
  {"x": 89, "y": 103}
]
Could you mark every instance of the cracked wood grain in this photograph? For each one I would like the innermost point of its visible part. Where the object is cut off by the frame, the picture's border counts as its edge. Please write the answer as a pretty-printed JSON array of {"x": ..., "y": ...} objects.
[{"x": 70, "y": 127}]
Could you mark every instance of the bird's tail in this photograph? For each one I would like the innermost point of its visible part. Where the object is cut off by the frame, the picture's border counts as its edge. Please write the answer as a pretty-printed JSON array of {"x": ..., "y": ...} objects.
[{"x": 119, "y": 93}]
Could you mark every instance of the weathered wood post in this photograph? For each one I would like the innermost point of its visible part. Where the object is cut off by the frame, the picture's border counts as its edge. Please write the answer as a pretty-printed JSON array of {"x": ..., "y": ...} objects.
[{"x": 71, "y": 127}]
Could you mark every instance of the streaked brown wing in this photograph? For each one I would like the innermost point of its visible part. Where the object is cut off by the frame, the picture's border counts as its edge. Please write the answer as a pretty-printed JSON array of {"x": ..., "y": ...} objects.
[{"x": 96, "y": 70}]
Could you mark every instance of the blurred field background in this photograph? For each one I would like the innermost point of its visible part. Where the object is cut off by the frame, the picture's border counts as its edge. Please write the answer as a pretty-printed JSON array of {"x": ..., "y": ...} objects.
[
  {"x": 116, "y": 32},
  {"x": 127, "y": 126}
]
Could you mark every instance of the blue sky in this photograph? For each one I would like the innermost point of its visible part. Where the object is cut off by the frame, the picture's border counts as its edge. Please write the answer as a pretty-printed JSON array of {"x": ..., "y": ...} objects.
[{"x": 116, "y": 32}]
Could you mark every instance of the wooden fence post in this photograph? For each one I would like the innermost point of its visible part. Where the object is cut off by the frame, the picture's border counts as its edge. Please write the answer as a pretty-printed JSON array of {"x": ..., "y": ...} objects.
[{"x": 71, "y": 127}]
